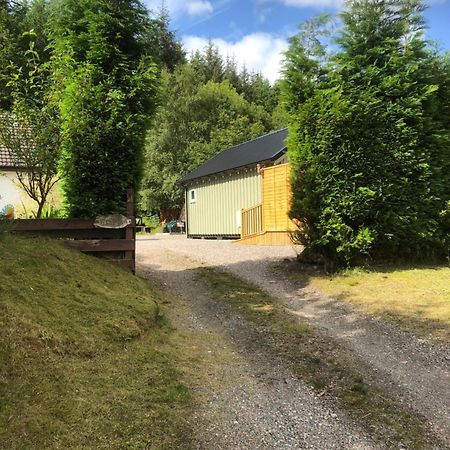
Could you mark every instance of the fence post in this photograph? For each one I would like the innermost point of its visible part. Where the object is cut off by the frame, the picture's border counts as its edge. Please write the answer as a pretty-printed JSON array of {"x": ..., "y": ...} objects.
[{"x": 130, "y": 230}]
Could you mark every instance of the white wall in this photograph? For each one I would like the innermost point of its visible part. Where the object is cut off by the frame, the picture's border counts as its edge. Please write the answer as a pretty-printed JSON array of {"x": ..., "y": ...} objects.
[{"x": 11, "y": 193}]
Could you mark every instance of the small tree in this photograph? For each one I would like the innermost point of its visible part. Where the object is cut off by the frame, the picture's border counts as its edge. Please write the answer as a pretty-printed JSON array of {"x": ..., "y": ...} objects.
[{"x": 31, "y": 130}]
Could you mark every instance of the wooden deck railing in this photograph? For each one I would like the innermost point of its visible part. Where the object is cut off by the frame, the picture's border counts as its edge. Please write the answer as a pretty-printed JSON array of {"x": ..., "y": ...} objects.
[{"x": 251, "y": 220}]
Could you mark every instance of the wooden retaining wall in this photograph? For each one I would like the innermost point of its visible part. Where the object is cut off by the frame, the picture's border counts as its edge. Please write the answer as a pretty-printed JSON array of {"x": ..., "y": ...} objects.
[{"x": 117, "y": 245}]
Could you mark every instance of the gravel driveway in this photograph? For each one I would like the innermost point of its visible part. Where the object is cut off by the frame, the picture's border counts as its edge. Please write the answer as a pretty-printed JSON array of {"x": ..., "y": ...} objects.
[{"x": 413, "y": 370}]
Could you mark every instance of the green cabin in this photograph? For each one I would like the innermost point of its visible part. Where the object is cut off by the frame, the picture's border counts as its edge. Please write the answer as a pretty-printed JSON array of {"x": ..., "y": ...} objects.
[{"x": 218, "y": 190}]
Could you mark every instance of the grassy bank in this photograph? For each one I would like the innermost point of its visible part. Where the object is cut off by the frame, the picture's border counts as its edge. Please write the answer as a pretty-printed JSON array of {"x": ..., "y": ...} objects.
[
  {"x": 319, "y": 360},
  {"x": 417, "y": 298},
  {"x": 81, "y": 359}
]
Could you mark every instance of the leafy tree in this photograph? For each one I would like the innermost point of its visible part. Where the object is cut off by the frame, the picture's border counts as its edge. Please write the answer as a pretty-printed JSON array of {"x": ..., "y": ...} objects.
[
  {"x": 209, "y": 64},
  {"x": 11, "y": 19},
  {"x": 31, "y": 131},
  {"x": 231, "y": 73},
  {"x": 107, "y": 82},
  {"x": 196, "y": 121},
  {"x": 366, "y": 141},
  {"x": 206, "y": 106}
]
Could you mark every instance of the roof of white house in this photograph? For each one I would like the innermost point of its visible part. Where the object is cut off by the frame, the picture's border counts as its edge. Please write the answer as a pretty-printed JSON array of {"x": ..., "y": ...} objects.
[
  {"x": 6, "y": 162},
  {"x": 264, "y": 148}
]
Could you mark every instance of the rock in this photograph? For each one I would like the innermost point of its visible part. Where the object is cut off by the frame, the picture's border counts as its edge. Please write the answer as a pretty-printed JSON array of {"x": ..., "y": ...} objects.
[{"x": 112, "y": 221}]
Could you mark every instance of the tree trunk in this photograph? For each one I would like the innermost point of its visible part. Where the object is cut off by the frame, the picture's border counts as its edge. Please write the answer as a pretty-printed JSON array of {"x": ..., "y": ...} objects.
[{"x": 40, "y": 209}]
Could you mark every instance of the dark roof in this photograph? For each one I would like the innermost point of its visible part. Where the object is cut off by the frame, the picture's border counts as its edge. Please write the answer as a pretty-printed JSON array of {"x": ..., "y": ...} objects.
[{"x": 264, "y": 148}]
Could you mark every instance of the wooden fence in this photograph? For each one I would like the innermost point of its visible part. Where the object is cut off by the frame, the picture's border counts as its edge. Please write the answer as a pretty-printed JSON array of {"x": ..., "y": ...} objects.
[
  {"x": 251, "y": 220},
  {"x": 117, "y": 245}
]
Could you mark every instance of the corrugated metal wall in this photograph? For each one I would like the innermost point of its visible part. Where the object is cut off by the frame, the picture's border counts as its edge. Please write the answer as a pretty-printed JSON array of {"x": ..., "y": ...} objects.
[{"x": 219, "y": 200}]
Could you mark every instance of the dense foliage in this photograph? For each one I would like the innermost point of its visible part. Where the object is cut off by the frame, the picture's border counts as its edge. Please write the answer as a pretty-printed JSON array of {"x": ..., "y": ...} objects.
[
  {"x": 107, "y": 93},
  {"x": 110, "y": 64},
  {"x": 163, "y": 42},
  {"x": 369, "y": 136},
  {"x": 206, "y": 105}
]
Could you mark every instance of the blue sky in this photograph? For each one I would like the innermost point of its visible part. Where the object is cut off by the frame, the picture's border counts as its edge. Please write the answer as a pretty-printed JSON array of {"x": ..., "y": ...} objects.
[{"x": 255, "y": 32}]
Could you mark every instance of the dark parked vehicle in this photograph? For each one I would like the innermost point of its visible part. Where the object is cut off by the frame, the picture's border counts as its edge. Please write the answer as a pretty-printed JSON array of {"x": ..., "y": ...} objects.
[{"x": 174, "y": 226}]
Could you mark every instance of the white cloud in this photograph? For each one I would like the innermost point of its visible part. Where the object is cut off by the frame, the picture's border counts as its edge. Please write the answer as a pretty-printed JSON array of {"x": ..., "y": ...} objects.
[
  {"x": 314, "y": 3},
  {"x": 178, "y": 7},
  {"x": 260, "y": 52},
  {"x": 199, "y": 8},
  {"x": 174, "y": 6}
]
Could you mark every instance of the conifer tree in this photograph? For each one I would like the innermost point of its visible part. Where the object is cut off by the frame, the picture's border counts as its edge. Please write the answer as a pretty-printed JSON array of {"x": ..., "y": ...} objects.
[
  {"x": 107, "y": 83},
  {"x": 366, "y": 142}
]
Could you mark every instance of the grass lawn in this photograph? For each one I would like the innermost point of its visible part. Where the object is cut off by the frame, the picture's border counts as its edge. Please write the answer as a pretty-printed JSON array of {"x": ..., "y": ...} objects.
[
  {"x": 84, "y": 360},
  {"x": 417, "y": 298}
]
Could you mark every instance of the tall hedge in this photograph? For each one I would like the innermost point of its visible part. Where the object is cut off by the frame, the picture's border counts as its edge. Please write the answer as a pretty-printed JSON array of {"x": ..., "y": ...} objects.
[
  {"x": 107, "y": 84},
  {"x": 370, "y": 141}
]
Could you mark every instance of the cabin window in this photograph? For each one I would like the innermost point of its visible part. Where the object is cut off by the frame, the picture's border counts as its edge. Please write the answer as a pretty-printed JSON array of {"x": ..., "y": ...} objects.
[{"x": 192, "y": 196}]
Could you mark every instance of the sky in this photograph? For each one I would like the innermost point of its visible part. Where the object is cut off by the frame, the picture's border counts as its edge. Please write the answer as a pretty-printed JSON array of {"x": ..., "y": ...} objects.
[{"x": 256, "y": 32}]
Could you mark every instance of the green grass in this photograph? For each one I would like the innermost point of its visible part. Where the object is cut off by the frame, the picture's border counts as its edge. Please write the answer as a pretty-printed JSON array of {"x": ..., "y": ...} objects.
[
  {"x": 84, "y": 360},
  {"x": 418, "y": 298},
  {"x": 319, "y": 360}
]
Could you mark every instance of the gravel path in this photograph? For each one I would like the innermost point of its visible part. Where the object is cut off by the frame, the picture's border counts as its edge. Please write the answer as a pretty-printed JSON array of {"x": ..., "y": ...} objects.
[
  {"x": 414, "y": 370},
  {"x": 251, "y": 401}
]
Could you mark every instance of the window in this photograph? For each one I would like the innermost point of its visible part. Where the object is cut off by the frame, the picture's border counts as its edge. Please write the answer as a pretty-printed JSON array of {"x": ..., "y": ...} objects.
[{"x": 192, "y": 196}]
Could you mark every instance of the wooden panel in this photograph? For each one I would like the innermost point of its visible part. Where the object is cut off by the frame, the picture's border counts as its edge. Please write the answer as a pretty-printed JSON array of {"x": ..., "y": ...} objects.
[
  {"x": 130, "y": 232},
  {"x": 52, "y": 224},
  {"x": 251, "y": 221},
  {"x": 124, "y": 263},
  {"x": 84, "y": 236},
  {"x": 103, "y": 245},
  {"x": 276, "y": 198},
  {"x": 96, "y": 233}
]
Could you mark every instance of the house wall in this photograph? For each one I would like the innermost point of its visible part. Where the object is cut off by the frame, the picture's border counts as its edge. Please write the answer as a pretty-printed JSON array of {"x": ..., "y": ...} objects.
[
  {"x": 219, "y": 201},
  {"x": 11, "y": 193}
]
